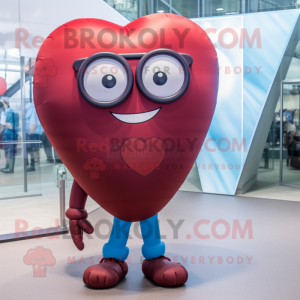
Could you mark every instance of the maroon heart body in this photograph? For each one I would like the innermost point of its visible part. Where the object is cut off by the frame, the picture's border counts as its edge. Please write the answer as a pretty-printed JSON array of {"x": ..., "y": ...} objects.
[{"x": 131, "y": 169}]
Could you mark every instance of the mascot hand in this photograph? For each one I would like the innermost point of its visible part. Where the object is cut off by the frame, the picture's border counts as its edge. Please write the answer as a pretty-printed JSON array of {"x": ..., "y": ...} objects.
[{"x": 78, "y": 224}]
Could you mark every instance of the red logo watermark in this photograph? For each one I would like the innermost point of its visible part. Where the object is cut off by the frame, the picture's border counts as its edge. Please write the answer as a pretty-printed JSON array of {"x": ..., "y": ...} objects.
[
  {"x": 94, "y": 165},
  {"x": 108, "y": 38},
  {"x": 39, "y": 258},
  {"x": 202, "y": 229}
]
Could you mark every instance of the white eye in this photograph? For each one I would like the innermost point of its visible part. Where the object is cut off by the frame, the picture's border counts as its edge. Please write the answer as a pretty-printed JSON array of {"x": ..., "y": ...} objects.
[
  {"x": 163, "y": 75},
  {"x": 105, "y": 80}
]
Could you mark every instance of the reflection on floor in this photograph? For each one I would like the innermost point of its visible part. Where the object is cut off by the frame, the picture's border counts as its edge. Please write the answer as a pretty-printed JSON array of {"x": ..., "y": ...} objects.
[
  {"x": 39, "y": 211},
  {"x": 43, "y": 172},
  {"x": 263, "y": 267},
  {"x": 267, "y": 184},
  {"x": 192, "y": 182}
]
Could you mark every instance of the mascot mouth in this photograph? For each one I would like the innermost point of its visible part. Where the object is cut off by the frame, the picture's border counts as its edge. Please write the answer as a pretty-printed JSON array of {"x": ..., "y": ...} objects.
[{"x": 136, "y": 117}]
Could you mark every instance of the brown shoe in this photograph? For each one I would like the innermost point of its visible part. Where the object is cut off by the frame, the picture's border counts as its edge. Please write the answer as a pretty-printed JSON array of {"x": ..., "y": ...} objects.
[
  {"x": 106, "y": 274},
  {"x": 164, "y": 272}
]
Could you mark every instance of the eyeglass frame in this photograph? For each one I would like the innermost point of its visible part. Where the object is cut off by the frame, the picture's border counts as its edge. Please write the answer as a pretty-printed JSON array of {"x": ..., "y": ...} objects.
[{"x": 80, "y": 66}]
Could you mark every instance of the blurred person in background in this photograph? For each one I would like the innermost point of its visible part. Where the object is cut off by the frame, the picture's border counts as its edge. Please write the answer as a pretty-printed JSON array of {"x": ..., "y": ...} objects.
[
  {"x": 34, "y": 132},
  {"x": 10, "y": 121},
  {"x": 48, "y": 150},
  {"x": 2, "y": 126}
]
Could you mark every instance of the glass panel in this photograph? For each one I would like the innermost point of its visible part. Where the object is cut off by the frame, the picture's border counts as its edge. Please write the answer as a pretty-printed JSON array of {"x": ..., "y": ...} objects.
[
  {"x": 20, "y": 172},
  {"x": 221, "y": 7},
  {"x": 269, "y": 172},
  {"x": 146, "y": 7},
  {"x": 12, "y": 142},
  {"x": 290, "y": 134},
  {"x": 266, "y": 5},
  {"x": 128, "y": 8},
  {"x": 29, "y": 197},
  {"x": 163, "y": 6},
  {"x": 187, "y": 8}
]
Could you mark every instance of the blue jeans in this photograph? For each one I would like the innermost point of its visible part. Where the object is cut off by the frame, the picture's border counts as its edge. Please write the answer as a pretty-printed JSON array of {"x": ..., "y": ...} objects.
[{"x": 116, "y": 246}]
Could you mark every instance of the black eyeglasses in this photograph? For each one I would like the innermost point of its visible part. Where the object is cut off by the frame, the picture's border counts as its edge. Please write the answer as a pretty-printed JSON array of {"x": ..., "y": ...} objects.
[{"x": 105, "y": 79}]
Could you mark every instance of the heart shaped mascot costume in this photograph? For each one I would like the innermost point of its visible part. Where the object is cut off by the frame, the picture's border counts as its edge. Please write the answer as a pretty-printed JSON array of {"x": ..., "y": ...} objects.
[{"x": 127, "y": 110}]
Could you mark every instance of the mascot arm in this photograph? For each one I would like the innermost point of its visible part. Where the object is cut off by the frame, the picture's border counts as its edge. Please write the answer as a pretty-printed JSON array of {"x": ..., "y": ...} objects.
[{"x": 78, "y": 215}]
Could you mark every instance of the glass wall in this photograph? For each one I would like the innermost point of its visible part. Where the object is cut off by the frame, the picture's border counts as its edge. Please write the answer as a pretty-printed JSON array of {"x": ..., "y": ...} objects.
[
  {"x": 128, "y": 8},
  {"x": 221, "y": 7},
  {"x": 19, "y": 125},
  {"x": 290, "y": 134},
  {"x": 29, "y": 196},
  {"x": 266, "y": 5},
  {"x": 26, "y": 154},
  {"x": 186, "y": 8},
  {"x": 276, "y": 160},
  {"x": 132, "y": 9}
]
